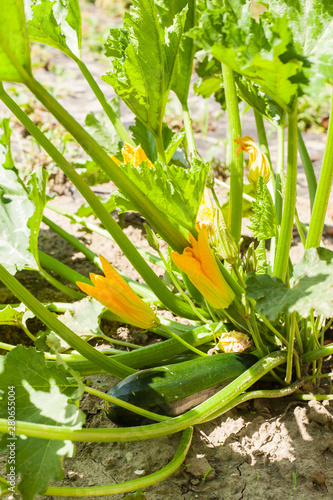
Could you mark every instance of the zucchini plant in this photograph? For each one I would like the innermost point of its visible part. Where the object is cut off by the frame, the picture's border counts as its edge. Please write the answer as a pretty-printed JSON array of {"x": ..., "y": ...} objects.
[{"x": 250, "y": 316}]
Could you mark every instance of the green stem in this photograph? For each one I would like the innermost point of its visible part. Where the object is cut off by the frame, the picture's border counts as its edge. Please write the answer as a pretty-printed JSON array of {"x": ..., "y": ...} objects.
[
  {"x": 189, "y": 131},
  {"x": 160, "y": 149},
  {"x": 61, "y": 269},
  {"x": 61, "y": 329},
  {"x": 275, "y": 331},
  {"x": 323, "y": 191},
  {"x": 259, "y": 394},
  {"x": 148, "y": 210},
  {"x": 282, "y": 252},
  {"x": 311, "y": 397},
  {"x": 291, "y": 339},
  {"x": 322, "y": 352},
  {"x": 171, "y": 426},
  {"x": 175, "y": 304},
  {"x": 263, "y": 143},
  {"x": 182, "y": 341},
  {"x": 121, "y": 130},
  {"x": 279, "y": 172},
  {"x": 308, "y": 167},
  {"x": 128, "y": 406},
  {"x": 299, "y": 228},
  {"x": 63, "y": 288},
  {"x": 236, "y": 162}
]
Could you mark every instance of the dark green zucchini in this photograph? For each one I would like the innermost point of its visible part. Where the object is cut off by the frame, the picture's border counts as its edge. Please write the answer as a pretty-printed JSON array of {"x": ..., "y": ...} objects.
[{"x": 155, "y": 389}]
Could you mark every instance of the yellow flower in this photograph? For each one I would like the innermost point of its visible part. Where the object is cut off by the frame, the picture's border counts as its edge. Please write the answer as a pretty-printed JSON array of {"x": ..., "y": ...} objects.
[
  {"x": 234, "y": 342},
  {"x": 205, "y": 216},
  {"x": 132, "y": 155},
  {"x": 114, "y": 293},
  {"x": 258, "y": 162},
  {"x": 199, "y": 263}
]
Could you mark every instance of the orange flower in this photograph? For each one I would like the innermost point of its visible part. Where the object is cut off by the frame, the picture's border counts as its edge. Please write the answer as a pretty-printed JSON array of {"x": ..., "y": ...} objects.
[
  {"x": 205, "y": 216},
  {"x": 199, "y": 263},
  {"x": 114, "y": 293},
  {"x": 234, "y": 342},
  {"x": 132, "y": 155},
  {"x": 258, "y": 162}
]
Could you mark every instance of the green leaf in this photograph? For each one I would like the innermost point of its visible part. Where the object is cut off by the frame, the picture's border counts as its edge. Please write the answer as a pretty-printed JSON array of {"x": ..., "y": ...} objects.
[
  {"x": 310, "y": 288},
  {"x": 14, "y": 42},
  {"x": 15, "y": 315},
  {"x": 91, "y": 173},
  {"x": 262, "y": 103},
  {"x": 100, "y": 127},
  {"x": 144, "y": 61},
  {"x": 85, "y": 210},
  {"x": 264, "y": 222},
  {"x": 261, "y": 51},
  {"x": 56, "y": 23},
  {"x": 43, "y": 396},
  {"x": 311, "y": 22},
  {"x": 168, "y": 10},
  {"x": 36, "y": 186},
  {"x": 176, "y": 191},
  {"x": 171, "y": 140}
]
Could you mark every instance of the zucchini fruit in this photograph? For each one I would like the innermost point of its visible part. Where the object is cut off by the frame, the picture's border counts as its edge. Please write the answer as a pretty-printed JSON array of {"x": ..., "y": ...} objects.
[{"x": 157, "y": 389}]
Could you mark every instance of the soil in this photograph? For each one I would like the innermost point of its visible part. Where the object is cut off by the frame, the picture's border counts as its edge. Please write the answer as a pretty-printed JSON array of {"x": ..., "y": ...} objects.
[{"x": 264, "y": 449}]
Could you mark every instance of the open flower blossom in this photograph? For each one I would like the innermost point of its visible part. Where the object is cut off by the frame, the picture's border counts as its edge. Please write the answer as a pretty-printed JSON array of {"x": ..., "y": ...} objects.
[
  {"x": 258, "y": 162},
  {"x": 199, "y": 263},
  {"x": 205, "y": 216},
  {"x": 133, "y": 155},
  {"x": 234, "y": 342},
  {"x": 114, "y": 293}
]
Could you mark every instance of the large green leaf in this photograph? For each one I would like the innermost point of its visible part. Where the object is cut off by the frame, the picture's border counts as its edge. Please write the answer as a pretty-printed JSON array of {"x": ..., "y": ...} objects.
[
  {"x": 56, "y": 23},
  {"x": 176, "y": 191},
  {"x": 261, "y": 51},
  {"x": 14, "y": 41},
  {"x": 144, "y": 57},
  {"x": 168, "y": 9},
  {"x": 311, "y": 288},
  {"x": 311, "y": 22},
  {"x": 42, "y": 396}
]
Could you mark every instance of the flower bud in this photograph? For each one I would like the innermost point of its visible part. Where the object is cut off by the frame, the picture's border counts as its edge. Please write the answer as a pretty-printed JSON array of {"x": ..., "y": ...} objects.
[{"x": 223, "y": 240}]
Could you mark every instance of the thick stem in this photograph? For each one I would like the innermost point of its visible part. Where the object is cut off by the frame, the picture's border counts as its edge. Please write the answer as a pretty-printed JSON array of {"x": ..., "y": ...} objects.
[
  {"x": 308, "y": 168},
  {"x": 282, "y": 253},
  {"x": 161, "y": 291},
  {"x": 322, "y": 352},
  {"x": 323, "y": 191},
  {"x": 236, "y": 162},
  {"x": 112, "y": 115},
  {"x": 182, "y": 341}
]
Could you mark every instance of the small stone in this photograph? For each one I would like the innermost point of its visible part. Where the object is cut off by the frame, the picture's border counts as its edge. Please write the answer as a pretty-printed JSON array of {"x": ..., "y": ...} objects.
[
  {"x": 109, "y": 463},
  {"x": 72, "y": 475},
  {"x": 198, "y": 467}
]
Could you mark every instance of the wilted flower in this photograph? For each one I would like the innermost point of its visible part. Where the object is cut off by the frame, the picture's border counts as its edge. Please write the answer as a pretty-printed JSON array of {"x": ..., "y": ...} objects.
[
  {"x": 234, "y": 342},
  {"x": 199, "y": 263},
  {"x": 133, "y": 155},
  {"x": 114, "y": 293},
  {"x": 258, "y": 162}
]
